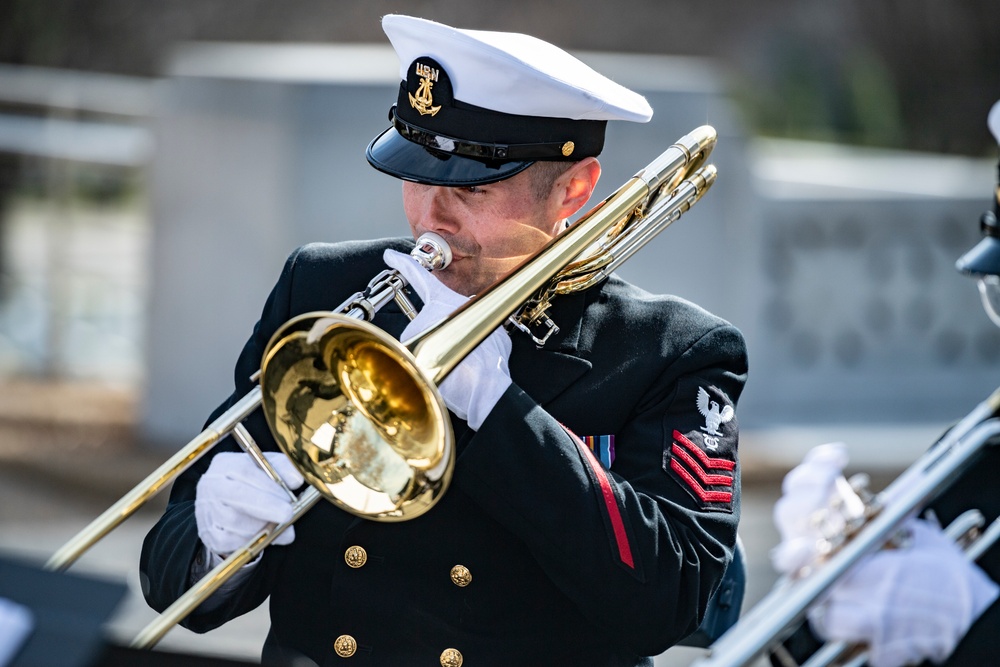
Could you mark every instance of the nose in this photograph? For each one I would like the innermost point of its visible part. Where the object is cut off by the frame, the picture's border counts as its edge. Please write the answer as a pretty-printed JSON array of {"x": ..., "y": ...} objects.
[{"x": 430, "y": 208}]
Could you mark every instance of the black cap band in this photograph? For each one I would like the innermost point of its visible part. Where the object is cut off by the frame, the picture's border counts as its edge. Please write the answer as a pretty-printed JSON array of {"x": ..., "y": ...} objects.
[
  {"x": 492, "y": 152},
  {"x": 427, "y": 107}
]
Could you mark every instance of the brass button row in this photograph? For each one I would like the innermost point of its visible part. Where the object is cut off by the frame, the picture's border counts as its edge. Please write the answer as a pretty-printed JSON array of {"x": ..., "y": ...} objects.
[
  {"x": 345, "y": 646},
  {"x": 356, "y": 557}
]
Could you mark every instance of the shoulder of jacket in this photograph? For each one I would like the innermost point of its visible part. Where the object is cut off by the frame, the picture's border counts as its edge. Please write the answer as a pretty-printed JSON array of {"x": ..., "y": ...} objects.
[
  {"x": 350, "y": 250},
  {"x": 360, "y": 256},
  {"x": 633, "y": 302}
]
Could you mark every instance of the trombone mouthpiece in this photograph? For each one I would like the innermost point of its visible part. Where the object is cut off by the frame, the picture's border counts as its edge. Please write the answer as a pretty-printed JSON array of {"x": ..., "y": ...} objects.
[{"x": 431, "y": 252}]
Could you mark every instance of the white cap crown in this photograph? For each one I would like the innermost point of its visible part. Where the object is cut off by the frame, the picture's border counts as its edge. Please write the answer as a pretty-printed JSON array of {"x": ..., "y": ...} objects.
[{"x": 514, "y": 73}]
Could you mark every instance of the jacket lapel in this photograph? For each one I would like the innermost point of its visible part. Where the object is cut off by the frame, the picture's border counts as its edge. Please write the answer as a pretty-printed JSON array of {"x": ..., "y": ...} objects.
[{"x": 545, "y": 373}]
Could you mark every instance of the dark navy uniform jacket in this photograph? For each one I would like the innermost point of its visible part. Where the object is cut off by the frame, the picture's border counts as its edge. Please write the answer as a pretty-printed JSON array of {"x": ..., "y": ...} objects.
[{"x": 572, "y": 562}]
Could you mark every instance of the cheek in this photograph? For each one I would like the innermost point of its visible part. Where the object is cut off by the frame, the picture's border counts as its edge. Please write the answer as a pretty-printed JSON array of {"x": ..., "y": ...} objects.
[
  {"x": 522, "y": 231},
  {"x": 416, "y": 208},
  {"x": 512, "y": 222},
  {"x": 520, "y": 241},
  {"x": 410, "y": 207}
]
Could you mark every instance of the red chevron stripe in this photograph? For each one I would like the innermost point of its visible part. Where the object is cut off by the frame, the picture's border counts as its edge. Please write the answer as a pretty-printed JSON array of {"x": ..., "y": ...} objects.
[
  {"x": 714, "y": 464},
  {"x": 705, "y": 477},
  {"x": 703, "y": 495}
]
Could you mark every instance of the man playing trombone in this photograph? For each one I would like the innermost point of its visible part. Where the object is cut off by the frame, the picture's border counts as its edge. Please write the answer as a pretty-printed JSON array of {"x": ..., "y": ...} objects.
[{"x": 543, "y": 550}]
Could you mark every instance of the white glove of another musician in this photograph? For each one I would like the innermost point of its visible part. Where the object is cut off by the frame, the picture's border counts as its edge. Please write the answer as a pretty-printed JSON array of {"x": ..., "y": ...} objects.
[
  {"x": 235, "y": 500},
  {"x": 473, "y": 388},
  {"x": 907, "y": 604},
  {"x": 801, "y": 515}
]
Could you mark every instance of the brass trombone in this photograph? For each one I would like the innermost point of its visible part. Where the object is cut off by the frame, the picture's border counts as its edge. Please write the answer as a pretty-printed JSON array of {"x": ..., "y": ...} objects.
[
  {"x": 966, "y": 530},
  {"x": 430, "y": 250},
  {"x": 765, "y": 626},
  {"x": 359, "y": 413}
]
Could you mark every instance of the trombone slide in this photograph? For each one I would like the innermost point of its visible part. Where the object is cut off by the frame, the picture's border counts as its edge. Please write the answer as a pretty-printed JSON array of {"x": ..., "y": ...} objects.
[
  {"x": 127, "y": 505},
  {"x": 194, "y": 596}
]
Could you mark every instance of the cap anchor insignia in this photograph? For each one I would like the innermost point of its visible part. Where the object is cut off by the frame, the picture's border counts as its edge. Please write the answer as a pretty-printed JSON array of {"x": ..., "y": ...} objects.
[{"x": 424, "y": 99}]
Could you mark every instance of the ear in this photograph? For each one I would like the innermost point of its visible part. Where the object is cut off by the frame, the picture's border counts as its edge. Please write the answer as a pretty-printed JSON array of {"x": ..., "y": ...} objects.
[{"x": 576, "y": 185}]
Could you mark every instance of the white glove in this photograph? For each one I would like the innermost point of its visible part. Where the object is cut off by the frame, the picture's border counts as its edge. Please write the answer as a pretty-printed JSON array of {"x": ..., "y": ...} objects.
[
  {"x": 907, "y": 604},
  {"x": 235, "y": 500},
  {"x": 477, "y": 383},
  {"x": 801, "y": 514}
]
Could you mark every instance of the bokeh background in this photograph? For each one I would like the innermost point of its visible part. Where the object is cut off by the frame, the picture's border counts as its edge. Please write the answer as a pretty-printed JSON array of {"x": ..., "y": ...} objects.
[
  {"x": 913, "y": 75},
  {"x": 159, "y": 160}
]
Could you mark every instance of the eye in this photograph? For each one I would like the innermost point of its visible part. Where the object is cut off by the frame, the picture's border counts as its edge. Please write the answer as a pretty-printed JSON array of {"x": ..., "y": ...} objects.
[{"x": 475, "y": 189}]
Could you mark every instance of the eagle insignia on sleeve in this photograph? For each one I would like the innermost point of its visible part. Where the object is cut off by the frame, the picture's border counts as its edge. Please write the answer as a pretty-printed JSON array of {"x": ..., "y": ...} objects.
[
  {"x": 714, "y": 417},
  {"x": 701, "y": 454}
]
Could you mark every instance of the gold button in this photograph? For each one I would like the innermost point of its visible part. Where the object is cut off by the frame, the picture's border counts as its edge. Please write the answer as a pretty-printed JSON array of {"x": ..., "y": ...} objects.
[
  {"x": 356, "y": 557},
  {"x": 460, "y": 576},
  {"x": 345, "y": 646},
  {"x": 451, "y": 657},
  {"x": 568, "y": 148}
]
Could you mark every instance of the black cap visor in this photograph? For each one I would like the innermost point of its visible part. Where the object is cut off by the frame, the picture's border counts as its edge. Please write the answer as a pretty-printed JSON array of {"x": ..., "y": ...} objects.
[
  {"x": 436, "y": 139},
  {"x": 982, "y": 259},
  {"x": 391, "y": 153}
]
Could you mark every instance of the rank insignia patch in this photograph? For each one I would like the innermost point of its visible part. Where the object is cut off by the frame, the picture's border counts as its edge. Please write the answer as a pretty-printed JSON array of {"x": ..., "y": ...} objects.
[{"x": 702, "y": 456}]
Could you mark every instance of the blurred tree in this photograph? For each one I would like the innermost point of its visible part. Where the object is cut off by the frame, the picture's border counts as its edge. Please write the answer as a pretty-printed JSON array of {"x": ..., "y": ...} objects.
[{"x": 917, "y": 74}]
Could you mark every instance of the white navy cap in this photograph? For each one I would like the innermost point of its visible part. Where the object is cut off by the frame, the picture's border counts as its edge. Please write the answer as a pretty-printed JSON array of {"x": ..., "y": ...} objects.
[{"x": 477, "y": 107}]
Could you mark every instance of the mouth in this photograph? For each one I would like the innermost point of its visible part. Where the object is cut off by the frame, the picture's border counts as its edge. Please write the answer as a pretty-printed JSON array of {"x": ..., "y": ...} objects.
[
  {"x": 460, "y": 247},
  {"x": 450, "y": 270}
]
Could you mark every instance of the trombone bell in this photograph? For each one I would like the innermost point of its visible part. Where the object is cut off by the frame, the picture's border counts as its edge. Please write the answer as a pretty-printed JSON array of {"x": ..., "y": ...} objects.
[{"x": 357, "y": 416}]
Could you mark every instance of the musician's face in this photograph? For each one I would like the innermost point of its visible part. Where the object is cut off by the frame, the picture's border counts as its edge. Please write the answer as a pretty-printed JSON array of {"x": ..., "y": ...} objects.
[{"x": 490, "y": 228}]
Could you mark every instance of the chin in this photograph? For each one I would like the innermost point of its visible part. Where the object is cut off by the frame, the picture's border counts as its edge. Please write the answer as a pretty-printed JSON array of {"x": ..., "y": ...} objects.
[
  {"x": 453, "y": 281},
  {"x": 457, "y": 278}
]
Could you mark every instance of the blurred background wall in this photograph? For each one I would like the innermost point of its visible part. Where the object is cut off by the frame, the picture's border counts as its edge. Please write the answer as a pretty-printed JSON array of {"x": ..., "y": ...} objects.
[{"x": 157, "y": 163}]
